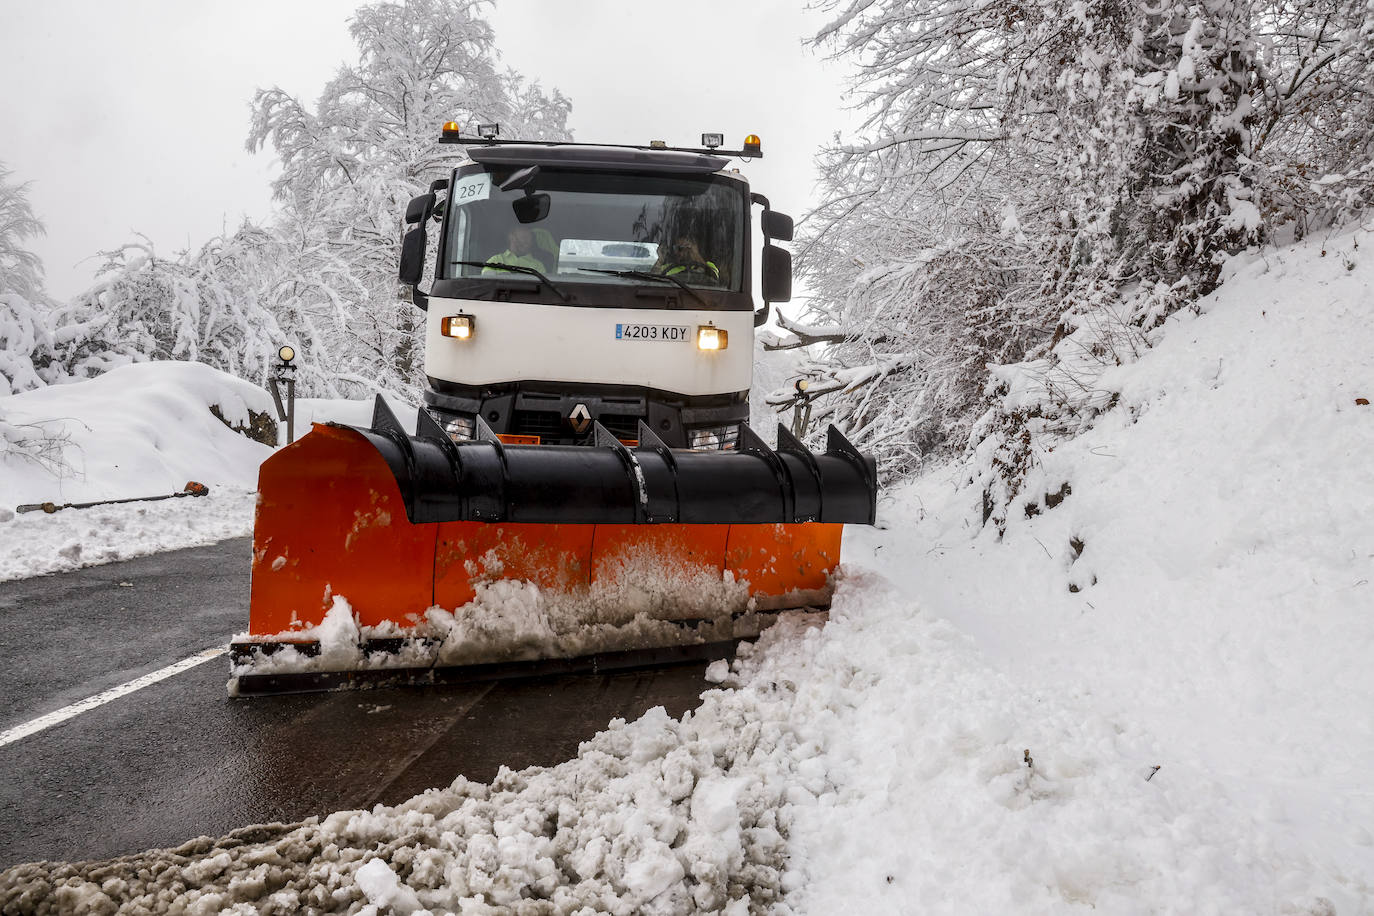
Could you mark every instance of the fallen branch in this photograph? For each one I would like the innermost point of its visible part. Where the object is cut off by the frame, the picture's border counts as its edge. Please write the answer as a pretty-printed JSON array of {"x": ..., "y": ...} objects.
[{"x": 192, "y": 489}]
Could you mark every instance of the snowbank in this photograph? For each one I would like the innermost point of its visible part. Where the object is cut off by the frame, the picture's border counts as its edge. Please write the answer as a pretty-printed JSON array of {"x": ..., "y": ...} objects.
[
  {"x": 137, "y": 430},
  {"x": 140, "y": 430},
  {"x": 351, "y": 413},
  {"x": 1218, "y": 537}
]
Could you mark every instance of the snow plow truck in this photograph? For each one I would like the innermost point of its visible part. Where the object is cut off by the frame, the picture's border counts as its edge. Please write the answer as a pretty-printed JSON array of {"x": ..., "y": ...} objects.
[{"x": 581, "y": 489}]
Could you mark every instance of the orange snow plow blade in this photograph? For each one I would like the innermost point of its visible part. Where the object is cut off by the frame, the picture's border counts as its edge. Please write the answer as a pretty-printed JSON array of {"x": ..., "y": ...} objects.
[{"x": 381, "y": 558}]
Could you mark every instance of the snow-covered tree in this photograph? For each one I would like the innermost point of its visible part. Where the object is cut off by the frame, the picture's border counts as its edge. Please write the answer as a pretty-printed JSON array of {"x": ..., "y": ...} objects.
[
  {"x": 208, "y": 306},
  {"x": 21, "y": 271},
  {"x": 352, "y": 162},
  {"x": 1313, "y": 146},
  {"x": 320, "y": 273},
  {"x": 1021, "y": 163},
  {"x": 25, "y": 341}
]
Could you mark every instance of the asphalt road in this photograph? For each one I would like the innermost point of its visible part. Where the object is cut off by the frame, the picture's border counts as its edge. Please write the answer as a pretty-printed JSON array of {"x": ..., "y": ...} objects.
[{"x": 179, "y": 759}]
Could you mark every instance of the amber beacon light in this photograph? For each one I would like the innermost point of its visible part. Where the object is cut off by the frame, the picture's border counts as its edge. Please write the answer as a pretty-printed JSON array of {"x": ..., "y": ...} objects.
[{"x": 752, "y": 144}]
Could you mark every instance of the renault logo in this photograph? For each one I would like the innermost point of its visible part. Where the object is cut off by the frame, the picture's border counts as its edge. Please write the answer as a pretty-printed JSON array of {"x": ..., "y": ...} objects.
[{"x": 581, "y": 418}]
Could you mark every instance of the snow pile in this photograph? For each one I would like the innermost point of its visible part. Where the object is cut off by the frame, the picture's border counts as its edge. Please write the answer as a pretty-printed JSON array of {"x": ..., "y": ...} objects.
[
  {"x": 643, "y": 602},
  {"x": 141, "y": 430},
  {"x": 947, "y": 786},
  {"x": 35, "y": 544},
  {"x": 349, "y": 412},
  {"x": 657, "y": 816}
]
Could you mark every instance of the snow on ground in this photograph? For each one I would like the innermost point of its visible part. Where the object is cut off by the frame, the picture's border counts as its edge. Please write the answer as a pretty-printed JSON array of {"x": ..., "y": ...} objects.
[
  {"x": 965, "y": 734},
  {"x": 1224, "y": 627},
  {"x": 35, "y": 544},
  {"x": 140, "y": 430},
  {"x": 352, "y": 413}
]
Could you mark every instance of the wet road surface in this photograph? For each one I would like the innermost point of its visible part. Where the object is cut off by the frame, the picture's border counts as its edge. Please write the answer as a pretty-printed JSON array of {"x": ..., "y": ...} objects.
[{"x": 179, "y": 759}]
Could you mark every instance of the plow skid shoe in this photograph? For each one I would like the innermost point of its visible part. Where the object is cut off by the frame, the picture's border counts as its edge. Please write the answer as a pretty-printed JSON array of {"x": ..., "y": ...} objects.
[{"x": 380, "y": 557}]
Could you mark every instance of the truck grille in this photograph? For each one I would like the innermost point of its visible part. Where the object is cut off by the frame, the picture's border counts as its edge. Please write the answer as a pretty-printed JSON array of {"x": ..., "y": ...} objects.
[
  {"x": 547, "y": 424},
  {"x": 550, "y": 425},
  {"x": 620, "y": 425}
]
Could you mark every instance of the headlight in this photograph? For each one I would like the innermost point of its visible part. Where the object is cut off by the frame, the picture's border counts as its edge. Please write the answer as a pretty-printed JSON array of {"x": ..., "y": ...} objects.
[
  {"x": 713, "y": 438},
  {"x": 460, "y": 428},
  {"x": 710, "y": 337},
  {"x": 461, "y": 327}
]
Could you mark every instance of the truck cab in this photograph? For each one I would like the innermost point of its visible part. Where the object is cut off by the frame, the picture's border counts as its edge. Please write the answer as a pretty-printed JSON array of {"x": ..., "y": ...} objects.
[{"x": 575, "y": 282}]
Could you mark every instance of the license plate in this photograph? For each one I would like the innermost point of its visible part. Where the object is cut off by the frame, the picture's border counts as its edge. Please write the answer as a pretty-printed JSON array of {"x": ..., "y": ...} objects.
[{"x": 668, "y": 332}]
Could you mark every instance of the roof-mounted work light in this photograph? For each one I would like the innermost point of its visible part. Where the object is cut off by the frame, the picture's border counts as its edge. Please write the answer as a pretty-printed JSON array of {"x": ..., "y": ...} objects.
[
  {"x": 488, "y": 131},
  {"x": 711, "y": 141}
]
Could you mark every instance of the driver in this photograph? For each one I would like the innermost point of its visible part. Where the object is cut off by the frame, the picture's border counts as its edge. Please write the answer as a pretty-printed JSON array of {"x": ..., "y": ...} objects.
[
  {"x": 683, "y": 256},
  {"x": 519, "y": 254}
]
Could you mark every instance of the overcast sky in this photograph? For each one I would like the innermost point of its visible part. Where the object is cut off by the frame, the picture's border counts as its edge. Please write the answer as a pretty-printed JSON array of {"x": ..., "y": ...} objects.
[{"x": 131, "y": 116}]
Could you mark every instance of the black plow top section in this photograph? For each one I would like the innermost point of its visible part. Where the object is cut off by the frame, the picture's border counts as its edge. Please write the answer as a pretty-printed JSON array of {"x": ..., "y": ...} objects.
[{"x": 610, "y": 483}]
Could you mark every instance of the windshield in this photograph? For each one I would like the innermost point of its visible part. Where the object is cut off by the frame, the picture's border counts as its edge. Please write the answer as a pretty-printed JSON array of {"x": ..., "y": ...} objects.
[{"x": 583, "y": 227}]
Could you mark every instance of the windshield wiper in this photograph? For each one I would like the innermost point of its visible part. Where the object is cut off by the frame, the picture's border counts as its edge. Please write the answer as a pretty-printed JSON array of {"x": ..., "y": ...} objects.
[
  {"x": 645, "y": 275},
  {"x": 519, "y": 269}
]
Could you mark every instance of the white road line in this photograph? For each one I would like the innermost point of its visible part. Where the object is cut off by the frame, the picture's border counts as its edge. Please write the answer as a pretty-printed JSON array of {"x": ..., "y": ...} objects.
[{"x": 100, "y": 699}]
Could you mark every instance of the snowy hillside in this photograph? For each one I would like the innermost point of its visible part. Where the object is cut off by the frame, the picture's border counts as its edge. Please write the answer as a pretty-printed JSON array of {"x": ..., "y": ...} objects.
[
  {"x": 1187, "y": 732},
  {"x": 1222, "y": 631}
]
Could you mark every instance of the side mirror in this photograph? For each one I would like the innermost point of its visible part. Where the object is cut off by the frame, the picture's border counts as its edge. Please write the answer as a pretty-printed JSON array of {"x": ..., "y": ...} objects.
[
  {"x": 531, "y": 208},
  {"x": 776, "y": 225},
  {"x": 413, "y": 266},
  {"x": 777, "y": 274},
  {"x": 413, "y": 256},
  {"x": 419, "y": 208}
]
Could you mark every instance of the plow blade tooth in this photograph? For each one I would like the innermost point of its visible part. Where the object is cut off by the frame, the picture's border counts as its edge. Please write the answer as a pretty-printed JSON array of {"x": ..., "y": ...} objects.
[
  {"x": 806, "y": 477},
  {"x": 660, "y": 477},
  {"x": 837, "y": 446}
]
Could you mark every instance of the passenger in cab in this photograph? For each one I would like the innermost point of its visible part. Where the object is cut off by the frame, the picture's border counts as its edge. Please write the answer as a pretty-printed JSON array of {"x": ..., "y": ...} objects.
[{"x": 684, "y": 257}]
